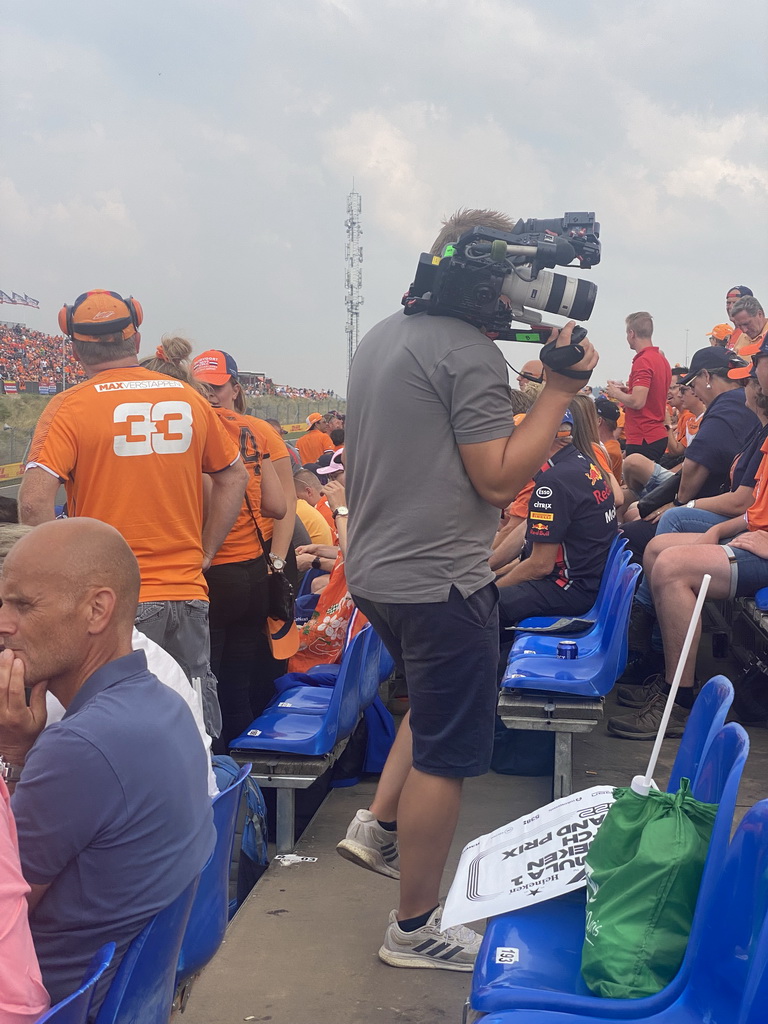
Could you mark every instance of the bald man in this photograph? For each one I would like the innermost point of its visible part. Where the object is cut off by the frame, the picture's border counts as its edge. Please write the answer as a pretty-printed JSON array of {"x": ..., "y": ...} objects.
[{"x": 111, "y": 803}]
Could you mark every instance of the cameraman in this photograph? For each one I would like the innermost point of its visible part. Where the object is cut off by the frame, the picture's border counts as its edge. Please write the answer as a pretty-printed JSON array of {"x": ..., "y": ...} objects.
[{"x": 431, "y": 459}]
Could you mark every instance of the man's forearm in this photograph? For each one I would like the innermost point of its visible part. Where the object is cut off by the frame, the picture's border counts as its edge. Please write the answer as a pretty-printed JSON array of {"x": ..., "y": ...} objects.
[
  {"x": 526, "y": 570},
  {"x": 227, "y": 490},
  {"x": 282, "y": 533}
]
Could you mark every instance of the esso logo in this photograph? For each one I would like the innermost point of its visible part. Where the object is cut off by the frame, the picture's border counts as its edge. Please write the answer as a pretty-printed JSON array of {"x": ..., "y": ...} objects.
[{"x": 543, "y": 492}]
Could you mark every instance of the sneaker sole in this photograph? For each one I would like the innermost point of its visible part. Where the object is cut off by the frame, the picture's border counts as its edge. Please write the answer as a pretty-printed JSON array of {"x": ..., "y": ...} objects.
[
  {"x": 364, "y": 857},
  {"x": 389, "y": 956},
  {"x": 675, "y": 732}
]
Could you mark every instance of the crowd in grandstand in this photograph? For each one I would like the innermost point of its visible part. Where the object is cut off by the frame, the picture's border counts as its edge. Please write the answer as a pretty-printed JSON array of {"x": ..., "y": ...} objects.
[{"x": 444, "y": 509}]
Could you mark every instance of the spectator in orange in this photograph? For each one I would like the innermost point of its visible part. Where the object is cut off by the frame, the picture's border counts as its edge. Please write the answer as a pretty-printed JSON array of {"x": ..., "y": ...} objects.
[
  {"x": 607, "y": 424},
  {"x": 750, "y": 319},
  {"x": 312, "y": 444},
  {"x": 720, "y": 335},
  {"x": 739, "y": 291}
]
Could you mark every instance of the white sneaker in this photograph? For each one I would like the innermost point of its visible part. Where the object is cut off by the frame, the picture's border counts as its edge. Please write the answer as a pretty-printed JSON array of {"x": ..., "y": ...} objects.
[
  {"x": 371, "y": 846},
  {"x": 452, "y": 949}
]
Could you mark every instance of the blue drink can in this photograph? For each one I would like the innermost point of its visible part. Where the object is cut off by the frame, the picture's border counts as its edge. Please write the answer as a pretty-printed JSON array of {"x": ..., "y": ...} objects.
[{"x": 568, "y": 649}]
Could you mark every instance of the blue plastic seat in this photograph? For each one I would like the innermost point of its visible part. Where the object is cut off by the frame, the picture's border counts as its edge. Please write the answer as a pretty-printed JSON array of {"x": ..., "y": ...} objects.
[
  {"x": 310, "y": 720},
  {"x": 618, "y": 556},
  {"x": 728, "y": 980},
  {"x": 74, "y": 1009},
  {"x": 210, "y": 910},
  {"x": 704, "y": 722},
  {"x": 597, "y": 667},
  {"x": 589, "y": 641},
  {"x": 377, "y": 667},
  {"x": 142, "y": 989},
  {"x": 550, "y": 935}
]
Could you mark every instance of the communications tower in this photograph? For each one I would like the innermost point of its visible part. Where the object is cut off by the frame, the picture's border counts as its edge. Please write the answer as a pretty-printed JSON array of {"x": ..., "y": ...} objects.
[{"x": 353, "y": 253}]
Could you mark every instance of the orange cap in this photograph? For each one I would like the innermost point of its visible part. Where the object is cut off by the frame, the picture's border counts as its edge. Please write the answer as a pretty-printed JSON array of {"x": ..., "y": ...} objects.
[
  {"x": 314, "y": 417},
  {"x": 100, "y": 312},
  {"x": 283, "y": 638},
  {"x": 720, "y": 331},
  {"x": 214, "y": 367}
]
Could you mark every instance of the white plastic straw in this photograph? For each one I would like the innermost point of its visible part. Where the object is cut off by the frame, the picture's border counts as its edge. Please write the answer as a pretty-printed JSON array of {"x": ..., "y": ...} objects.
[{"x": 643, "y": 784}]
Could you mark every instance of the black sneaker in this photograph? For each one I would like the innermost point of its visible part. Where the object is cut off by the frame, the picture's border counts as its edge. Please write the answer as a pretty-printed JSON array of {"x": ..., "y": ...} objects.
[
  {"x": 644, "y": 723},
  {"x": 638, "y": 696}
]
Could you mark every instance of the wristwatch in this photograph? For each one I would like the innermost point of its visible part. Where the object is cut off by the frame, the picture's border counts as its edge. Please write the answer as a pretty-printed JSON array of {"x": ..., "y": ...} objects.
[
  {"x": 316, "y": 563},
  {"x": 9, "y": 772},
  {"x": 277, "y": 562},
  {"x": 691, "y": 503},
  {"x": 342, "y": 510}
]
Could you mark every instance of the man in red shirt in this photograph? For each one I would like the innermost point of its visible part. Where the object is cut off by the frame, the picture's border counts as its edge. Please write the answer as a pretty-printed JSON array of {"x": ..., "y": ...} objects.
[{"x": 644, "y": 397}]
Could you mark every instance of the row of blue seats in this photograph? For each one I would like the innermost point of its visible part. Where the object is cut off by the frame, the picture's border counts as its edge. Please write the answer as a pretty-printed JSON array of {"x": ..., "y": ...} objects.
[
  {"x": 310, "y": 720},
  {"x": 602, "y": 640},
  {"x": 172, "y": 948},
  {"x": 724, "y": 975}
]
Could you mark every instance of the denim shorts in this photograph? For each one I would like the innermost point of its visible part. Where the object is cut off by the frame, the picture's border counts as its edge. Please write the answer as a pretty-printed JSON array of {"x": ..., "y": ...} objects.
[
  {"x": 749, "y": 572},
  {"x": 448, "y": 653},
  {"x": 659, "y": 475}
]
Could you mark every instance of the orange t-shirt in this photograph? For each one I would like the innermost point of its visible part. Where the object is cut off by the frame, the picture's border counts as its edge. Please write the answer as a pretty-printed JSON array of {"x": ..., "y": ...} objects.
[
  {"x": 519, "y": 506},
  {"x": 326, "y": 512},
  {"x": 757, "y": 513},
  {"x": 131, "y": 446},
  {"x": 616, "y": 456},
  {"x": 602, "y": 459},
  {"x": 683, "y": 420},
  {"x": 312, "y": 445},
  {"x": 242, "y": 542},
  {"x": 276, "y": 449}
]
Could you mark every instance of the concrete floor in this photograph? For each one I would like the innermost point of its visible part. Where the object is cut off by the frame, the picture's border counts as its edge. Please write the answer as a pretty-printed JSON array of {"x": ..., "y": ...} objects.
[{"x": 302, "y": 950}]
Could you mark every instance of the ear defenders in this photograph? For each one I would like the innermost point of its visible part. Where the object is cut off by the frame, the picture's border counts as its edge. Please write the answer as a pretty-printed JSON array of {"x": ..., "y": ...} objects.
[{"x": 113, "y": 325}]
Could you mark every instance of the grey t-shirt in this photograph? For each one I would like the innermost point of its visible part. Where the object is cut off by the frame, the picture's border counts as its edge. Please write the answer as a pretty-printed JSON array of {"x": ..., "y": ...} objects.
[{"x": 419, "y": 386}]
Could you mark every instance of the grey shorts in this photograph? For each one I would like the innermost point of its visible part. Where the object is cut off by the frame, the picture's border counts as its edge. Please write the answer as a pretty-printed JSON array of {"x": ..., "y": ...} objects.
[
  {"x": 749, "y": 572},
  {"x": 181, "y": 629}
]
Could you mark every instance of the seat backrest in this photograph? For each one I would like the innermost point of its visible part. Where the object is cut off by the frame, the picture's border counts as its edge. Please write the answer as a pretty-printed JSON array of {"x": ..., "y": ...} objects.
[
  {"x": 615, "y": 621},
  {"x": 210, "y": 910},
  {"x": 142, "y": 989},
  {"x": 345, "y": 702},
  {"x": 730, "y": 964},
  {"x": 74, "y": 1009},
  {"x": 704, "y": 722},
  {"x": 377, "y": 667},
  {"x": 755, "y": 994},
  {"x": 717, "y": 782},
  {"x": 618, "y": 558}
]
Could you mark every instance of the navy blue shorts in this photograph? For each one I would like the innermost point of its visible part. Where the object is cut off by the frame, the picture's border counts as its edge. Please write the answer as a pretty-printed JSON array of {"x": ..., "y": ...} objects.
[{"x": 448, "y": 653}]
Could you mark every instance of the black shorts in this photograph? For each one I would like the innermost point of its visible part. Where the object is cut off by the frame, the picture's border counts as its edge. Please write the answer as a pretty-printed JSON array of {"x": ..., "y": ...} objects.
[
  {"x": 448, "y": 653},
  {"x": 653, "y": 450},
  {"x": 543, "y": 597}
]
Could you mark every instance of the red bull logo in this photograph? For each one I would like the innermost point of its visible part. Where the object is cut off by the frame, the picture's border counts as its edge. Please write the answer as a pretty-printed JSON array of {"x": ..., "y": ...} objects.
[
  {"x": 539, "y": 528},
  {"x": 594, "y": 475}
]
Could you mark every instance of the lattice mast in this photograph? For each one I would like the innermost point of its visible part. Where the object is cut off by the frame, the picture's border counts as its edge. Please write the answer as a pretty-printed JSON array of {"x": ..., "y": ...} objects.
[{"x": 353, "y": 253}]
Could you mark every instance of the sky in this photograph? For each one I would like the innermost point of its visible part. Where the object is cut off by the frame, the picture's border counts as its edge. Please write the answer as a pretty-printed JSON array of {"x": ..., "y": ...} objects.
[{"x": 197, "y": 154}]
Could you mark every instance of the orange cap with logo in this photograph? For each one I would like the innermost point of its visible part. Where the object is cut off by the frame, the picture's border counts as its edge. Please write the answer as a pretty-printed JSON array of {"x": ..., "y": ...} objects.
[{"x": 97, "y": 313}]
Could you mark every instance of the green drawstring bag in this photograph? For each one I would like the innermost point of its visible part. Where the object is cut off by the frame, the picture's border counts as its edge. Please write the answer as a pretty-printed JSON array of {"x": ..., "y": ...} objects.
[{"x": 643, "y": 873}]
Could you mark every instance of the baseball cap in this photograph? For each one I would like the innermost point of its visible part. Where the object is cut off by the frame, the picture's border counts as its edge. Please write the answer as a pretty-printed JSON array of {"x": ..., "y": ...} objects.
[
  {"x": 99, "y": 312},
  {"x": 720, "y": 331},
  {"x": 314, "y": 417},
  {"x": 741, "y": 289},
  {"x": 712, "y": 359},
  {"x": 334, "y": 466},
  {"x": 283, "y": 638},
  {"x": 607, "y": 409},
  {"x": 214, "y": 367}
]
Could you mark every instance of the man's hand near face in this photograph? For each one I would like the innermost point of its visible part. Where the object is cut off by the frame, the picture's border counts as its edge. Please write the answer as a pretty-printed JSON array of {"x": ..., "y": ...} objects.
[{"x": 20, "y": 725}]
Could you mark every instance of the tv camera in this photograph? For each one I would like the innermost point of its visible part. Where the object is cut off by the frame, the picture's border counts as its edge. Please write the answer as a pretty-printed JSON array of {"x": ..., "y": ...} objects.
[{"x": 491, "y": 278}]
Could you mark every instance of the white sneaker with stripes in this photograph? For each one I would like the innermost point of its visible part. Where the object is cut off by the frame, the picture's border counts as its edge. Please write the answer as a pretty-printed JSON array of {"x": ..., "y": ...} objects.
[
  {"x": 371, "y": 846},
  {"x": 453, "y": 949}
]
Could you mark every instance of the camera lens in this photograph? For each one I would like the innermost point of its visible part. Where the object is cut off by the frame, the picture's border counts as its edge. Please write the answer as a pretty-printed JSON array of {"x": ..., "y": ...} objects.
[{"x": 554, "y": 293}]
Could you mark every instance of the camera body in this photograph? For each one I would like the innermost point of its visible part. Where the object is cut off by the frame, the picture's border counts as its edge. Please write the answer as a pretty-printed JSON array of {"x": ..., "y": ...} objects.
[{"x": 490, "y": 278}]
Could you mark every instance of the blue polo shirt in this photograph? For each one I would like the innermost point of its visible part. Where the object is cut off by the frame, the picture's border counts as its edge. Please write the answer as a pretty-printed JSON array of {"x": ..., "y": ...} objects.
[
  {"x": 724, "y": 428},
  {"x": 113, "y": 813}
]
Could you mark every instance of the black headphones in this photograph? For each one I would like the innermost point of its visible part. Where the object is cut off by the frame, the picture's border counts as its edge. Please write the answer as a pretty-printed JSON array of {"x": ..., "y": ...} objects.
[{"x": 66, "y": 313}]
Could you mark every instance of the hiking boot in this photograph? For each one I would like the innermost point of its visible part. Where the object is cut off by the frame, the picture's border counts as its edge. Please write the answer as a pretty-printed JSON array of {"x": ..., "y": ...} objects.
[
  {"x": 644, "y": 723},
  {"x": 371, "y": 846},
  {"x": 641, "y": 622},
  {"x": 640, "y": 665},
  {"x": 638, "y": 696},
  {"x": 453, "y": 949}
]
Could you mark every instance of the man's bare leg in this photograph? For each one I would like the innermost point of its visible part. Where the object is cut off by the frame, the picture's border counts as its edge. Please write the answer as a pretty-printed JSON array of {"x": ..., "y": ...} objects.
[
  {"x": 395, "y": 772},
  {"x": 675, "y": 583},
  {"x": 426, "y": 822}
]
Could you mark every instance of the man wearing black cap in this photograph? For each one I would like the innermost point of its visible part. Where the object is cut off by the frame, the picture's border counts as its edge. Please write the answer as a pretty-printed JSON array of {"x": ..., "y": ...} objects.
[
  {"x": 734, "y": 553},
  {"x": 131, "y": 446}
]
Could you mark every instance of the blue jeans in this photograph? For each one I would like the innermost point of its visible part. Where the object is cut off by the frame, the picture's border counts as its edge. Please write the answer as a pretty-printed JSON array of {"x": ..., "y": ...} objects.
[{"x": 678, "y": 520}]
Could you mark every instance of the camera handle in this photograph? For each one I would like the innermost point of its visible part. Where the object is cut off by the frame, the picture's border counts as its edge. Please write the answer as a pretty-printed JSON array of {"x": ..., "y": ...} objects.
[{"x": 560, "y": 359}]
